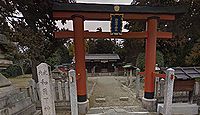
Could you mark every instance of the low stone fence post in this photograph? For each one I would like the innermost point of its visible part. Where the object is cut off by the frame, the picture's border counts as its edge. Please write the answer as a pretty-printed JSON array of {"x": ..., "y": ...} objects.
[
  {"x": 33, "y": 90},
  {"x": 130, "y": 77},
  {"x": 137, "y": 83},
  {"x": 162, "y": 87},
  {"x": 53, "y": 89},
  {"x": 67, "y": 91},
  {"x": 168, "y": 94},
  {"x": 197, "y": 88},
  {"x": 157, "y": 86},
  {"x": 60, "y": 93},
  {"x": 73, "y": 92}
]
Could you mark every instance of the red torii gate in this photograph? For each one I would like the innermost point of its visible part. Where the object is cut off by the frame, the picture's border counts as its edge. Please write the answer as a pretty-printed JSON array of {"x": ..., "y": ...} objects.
[{"x": 81, "y": 12}]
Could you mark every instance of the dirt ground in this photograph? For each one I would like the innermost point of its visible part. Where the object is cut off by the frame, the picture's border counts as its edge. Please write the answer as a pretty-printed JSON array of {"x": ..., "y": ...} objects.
[{"x": 21, "y": 81}]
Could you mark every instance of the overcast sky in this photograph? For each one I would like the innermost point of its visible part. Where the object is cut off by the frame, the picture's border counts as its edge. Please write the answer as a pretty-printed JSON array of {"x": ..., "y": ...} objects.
[{"x": 93, "y": 25}]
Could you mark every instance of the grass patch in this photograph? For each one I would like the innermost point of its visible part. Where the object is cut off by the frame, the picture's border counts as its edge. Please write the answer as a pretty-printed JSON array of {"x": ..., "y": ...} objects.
[
  {"x": 197, "y": 79},
  {"x": 21, "y": 81}
]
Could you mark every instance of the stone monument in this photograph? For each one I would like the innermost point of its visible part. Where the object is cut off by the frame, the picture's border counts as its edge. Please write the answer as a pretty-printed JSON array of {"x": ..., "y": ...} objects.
[{"x": 12, "y": 101}]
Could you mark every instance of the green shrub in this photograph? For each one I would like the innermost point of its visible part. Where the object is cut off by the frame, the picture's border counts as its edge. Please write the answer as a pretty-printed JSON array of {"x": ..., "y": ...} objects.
[{"x": 12, "y": 71}]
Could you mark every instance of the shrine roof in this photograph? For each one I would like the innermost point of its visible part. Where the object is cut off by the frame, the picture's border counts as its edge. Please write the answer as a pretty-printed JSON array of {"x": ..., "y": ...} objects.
[
  {"x": 185, "y": 73},
  {"x": 102, "y": 57}
]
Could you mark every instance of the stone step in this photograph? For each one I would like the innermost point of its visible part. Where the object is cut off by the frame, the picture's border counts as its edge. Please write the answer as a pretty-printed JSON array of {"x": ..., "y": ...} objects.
[
  {"x": 3, "y": 102},
  {"x": 11, "y": 98},
  {"x": 5, "y": 91},
  {"x": 38, "y": 112},
  {"x": 131, "y": 113},
  {"x": 125, "y": 113},
  {"x": 20, "y": 105},
  {"x": 16, "y": 97},
  {"x": 29, "y": 110},
  {"x": 135, "y": 110},
  {"x": 181, "y": 109},
  {"x": 4, "y": 111}
]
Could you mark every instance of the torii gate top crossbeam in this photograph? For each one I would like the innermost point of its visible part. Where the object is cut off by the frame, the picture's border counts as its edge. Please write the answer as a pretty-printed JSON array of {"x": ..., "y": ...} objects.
[{"x": 103, "y": 11}]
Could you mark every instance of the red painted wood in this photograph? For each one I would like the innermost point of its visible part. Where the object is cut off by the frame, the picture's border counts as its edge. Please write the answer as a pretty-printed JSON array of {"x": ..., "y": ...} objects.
[
  {"x": 58, "y": 15},
  {"x": 150, "y": 55},
  {"x": 79, "y": 45},
  {"x": 103, "y": 35}
]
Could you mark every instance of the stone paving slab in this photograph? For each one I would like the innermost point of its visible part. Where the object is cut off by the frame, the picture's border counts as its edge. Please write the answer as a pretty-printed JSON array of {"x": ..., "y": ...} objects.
[
  {"x": 100, "y": 100},
  {"x": 123, "y": 98}
]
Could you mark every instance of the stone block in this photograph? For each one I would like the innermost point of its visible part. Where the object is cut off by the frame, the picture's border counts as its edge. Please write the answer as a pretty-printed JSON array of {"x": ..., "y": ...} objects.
[
  {"x": 100, "y": 100},
  {"x": 4, "y": 111},
  {"x": 37, "y": 112},
  {"x": 5, "y": 91},
  {"x": 83, "y": 107},
  {"x": 4, "y": 81},
  {"x": 20, "y": 105},
  {"x": 123, "y": 98},
  {"x": 149, "y": 104},
  {"x": 181, "y": 109},
  {"x": 16, "y": 97},
  {"x": 3, "y": 102},
  {"x": 29, "y": 110}
]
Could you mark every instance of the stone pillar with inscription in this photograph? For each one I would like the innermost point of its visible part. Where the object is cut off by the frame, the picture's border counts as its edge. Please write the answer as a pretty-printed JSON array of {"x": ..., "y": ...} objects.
[{"x": 44, "y": 80}]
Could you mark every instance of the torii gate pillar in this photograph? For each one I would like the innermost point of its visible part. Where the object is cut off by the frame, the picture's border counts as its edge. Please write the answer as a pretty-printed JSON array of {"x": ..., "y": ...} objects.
[
  {"x": 150, "y": 57},
  {"x": 150, "y": 61},
  {"x": 79, "y": 44}
]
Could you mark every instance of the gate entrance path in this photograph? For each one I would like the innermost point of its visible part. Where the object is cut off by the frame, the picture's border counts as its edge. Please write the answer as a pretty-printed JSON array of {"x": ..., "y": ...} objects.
[{"x": 110, "y": 96}]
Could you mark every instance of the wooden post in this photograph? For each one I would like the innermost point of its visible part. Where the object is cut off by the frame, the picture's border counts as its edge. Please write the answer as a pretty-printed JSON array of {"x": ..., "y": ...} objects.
[
  {"x": 48, "y": 105},
  {"x": 73, "y": 92},
  {"x": 169, "y": 85},
  {"x": 79, "y": 44},
  {"x": 150, "y": 57}
]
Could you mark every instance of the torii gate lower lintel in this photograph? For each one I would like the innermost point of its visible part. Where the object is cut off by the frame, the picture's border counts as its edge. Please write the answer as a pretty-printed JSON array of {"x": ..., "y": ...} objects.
[{"x": 80, "y": 12}]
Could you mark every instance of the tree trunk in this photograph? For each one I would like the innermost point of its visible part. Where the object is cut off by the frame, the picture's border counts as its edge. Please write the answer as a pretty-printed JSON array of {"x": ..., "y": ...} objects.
[
  {"x": 34, "y": 69},
  {"x": 22, "y": 69}
]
